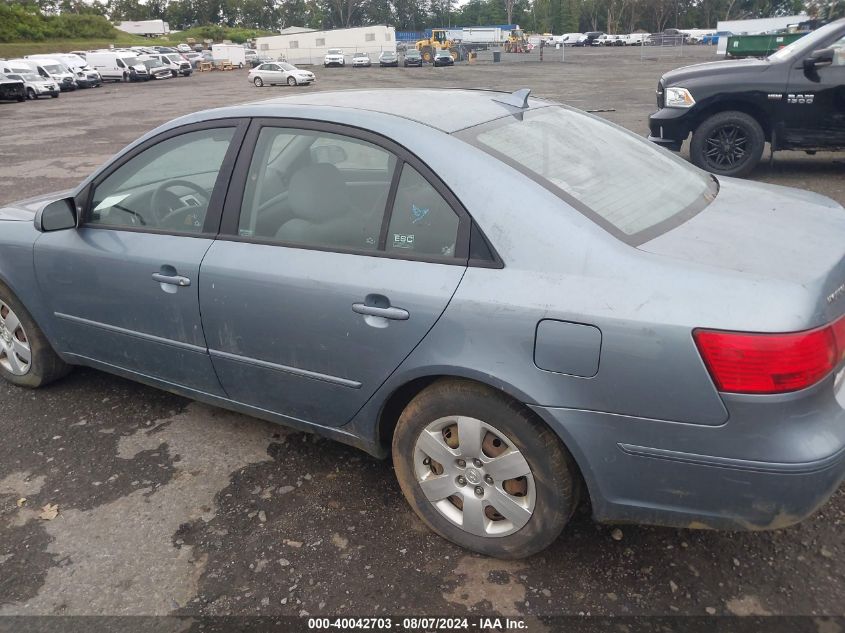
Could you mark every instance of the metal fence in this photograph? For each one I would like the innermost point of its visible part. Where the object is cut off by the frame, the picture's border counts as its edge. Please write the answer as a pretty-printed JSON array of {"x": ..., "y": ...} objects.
[
  {"x": 661, "y": 46},
  {"x": 316, "y": 56}
]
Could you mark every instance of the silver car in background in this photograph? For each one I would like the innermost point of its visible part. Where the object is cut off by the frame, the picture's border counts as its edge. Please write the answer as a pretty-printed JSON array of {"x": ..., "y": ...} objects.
[
  {"x": 274, "y": 73},
  {"x": 550, "y": 323},
  {"x": 36, "y": 86}
]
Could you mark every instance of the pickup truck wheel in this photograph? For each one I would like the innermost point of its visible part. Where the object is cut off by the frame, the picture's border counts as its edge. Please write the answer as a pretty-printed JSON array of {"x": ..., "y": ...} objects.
[
  {"x": 482, "y": 471},
  {"x": 728, "y": 144},
  {"x": 26, "y": 357}
]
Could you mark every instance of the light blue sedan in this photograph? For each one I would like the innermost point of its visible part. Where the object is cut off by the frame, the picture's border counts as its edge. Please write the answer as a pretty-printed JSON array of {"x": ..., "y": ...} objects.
[{"x": 523, "y": 304}]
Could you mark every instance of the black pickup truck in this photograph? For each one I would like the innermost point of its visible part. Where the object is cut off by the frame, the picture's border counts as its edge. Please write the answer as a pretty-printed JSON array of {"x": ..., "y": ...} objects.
[{"x": 794, "y": 99}]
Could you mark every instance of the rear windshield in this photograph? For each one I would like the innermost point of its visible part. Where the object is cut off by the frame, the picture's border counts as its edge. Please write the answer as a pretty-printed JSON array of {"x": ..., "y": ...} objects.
[{"x": 626, "y": 184}]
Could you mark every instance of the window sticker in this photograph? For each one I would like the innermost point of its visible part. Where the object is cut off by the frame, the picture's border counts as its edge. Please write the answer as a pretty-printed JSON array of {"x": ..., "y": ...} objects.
[
  {"x": 401, "y": 240},
  {"x": 418, "y": 214},
  {"x": 110, "y": 201}
]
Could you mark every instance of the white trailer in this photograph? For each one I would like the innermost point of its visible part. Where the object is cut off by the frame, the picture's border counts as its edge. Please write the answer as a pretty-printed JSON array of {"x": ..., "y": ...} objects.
[
  {"x": 235, "y": 54},
  {"x": 483, "y": 35},
  {"x": 758, "y": 25},
  {"x": 310, "y": 47},
  {"x": 147, "y": 28}
]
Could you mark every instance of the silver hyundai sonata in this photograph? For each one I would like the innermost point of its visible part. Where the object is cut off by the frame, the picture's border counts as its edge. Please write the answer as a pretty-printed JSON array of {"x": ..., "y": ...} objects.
[{"x": 526, "y": 306}]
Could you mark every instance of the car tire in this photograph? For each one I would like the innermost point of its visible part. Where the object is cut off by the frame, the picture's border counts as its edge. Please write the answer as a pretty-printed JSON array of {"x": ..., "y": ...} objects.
[
  {"x": 540, "y": 503},
  {"x": 44, "y": 365},
  {"x": 291, "y": 81},
  {"x": 54, "y": 95},
  {"x": 30, "y": 94},
  {"x": 258, "y": 82},
  {"x": 717, "y": 143}
]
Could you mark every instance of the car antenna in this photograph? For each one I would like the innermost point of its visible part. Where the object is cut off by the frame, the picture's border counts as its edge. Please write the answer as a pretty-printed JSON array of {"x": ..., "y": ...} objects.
[{"x": 517, "y": 99}]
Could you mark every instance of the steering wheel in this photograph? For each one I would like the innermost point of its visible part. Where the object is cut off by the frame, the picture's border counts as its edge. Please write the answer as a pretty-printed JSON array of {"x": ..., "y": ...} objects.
[{"x": 157, "y": 201}]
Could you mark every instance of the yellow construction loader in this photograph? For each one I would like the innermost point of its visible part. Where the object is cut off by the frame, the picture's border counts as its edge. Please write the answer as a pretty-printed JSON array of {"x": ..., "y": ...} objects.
[
  {"x": 437, "y": 41},
  {"x": 517, "y": 42}
]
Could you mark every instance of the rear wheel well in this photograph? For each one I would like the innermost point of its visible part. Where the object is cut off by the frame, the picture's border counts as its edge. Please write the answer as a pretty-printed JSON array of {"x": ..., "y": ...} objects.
[
  {"x": 401, "y": 398},
  {"x": 740, "y": 106},
  {"x": 395, "y": 405}
]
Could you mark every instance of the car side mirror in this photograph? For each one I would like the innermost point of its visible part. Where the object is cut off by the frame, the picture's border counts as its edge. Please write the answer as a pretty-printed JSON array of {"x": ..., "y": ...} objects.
[
  {"x": 58, "y": 215},
  {"x": 818, "y": 59}
]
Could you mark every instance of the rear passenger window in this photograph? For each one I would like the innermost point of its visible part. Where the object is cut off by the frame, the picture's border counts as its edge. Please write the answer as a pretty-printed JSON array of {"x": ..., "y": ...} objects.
[
  {"x": 422, "y": 222},
  {"x": 316, "y": 189}
]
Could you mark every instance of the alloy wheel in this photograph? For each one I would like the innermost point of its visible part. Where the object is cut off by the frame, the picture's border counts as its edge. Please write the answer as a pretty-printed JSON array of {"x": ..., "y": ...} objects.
[
  {"x": 15, "y": 351},
  {"x": 474, "y": 476},
  {"x": 726, "y": 147}
]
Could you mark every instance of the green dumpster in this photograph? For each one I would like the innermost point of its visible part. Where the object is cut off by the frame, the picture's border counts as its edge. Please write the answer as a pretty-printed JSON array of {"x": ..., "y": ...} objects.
[{"x": 759, "y": 45}]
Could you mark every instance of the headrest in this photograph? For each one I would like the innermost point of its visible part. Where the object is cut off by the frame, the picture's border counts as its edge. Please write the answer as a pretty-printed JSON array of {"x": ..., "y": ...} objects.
[{"x": 318, "y": 193}]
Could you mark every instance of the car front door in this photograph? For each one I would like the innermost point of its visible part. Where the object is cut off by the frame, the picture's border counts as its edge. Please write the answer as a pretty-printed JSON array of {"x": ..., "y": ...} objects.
[
  {"x": 123, "y": 286},
  {"x": 814, "y": 104},
  {"x": 272, "y": 74},
  {"x": 337, "y": 255}
]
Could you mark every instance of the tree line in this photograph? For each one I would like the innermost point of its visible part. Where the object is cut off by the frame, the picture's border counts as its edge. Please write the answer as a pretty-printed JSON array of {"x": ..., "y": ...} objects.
[{"x": 542, "y": 16}]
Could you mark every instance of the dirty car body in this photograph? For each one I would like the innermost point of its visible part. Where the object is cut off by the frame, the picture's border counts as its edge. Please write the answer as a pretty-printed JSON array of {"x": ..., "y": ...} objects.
[{"x": 659, "y": 347}]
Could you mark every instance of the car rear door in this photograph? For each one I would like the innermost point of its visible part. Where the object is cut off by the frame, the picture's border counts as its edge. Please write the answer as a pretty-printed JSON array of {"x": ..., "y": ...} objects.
[
  {"x": 123, "y": 286},
  {"x": 338, "y": 253}
]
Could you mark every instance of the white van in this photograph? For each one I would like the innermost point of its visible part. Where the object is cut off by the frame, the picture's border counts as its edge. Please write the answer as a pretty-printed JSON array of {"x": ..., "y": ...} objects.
[
  {"x": 84, "y": 76},
  {"x": 233, "y": 53},
  {"x": 117, "y": 65},
  {"x": 16, "y": 66},
  {"x": 49, "y": 69},
  {"x": 635, "y": 39},
  {"x": 568, "y": 39}
]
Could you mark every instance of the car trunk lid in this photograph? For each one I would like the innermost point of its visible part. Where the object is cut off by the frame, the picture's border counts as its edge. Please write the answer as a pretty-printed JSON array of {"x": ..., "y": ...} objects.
[{"x": 767, "y": 232}]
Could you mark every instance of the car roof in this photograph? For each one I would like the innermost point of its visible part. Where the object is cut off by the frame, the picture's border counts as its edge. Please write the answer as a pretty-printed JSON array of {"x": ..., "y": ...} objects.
[{"x": 456, "y": 110}]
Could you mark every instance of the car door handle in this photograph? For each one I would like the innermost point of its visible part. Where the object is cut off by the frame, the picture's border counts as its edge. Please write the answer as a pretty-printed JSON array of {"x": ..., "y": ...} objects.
[
  {"x": 173, "y": 280},
  {"x": 396, "y": 314}
]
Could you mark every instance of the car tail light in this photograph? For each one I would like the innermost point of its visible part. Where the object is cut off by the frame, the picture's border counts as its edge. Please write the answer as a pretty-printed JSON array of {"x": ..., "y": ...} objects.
[{"x": 742, "y": 362}]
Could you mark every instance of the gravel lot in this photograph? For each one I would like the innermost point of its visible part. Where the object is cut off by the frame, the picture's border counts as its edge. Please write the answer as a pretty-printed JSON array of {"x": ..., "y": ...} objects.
[{"x": 167, "y": 506}]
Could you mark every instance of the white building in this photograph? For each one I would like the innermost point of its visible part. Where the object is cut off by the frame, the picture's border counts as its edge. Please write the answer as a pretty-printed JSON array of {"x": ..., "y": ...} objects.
[
  {"x": 759, "y": 25},
  {"x": 304, "y": 46}
]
